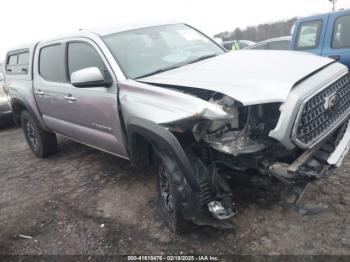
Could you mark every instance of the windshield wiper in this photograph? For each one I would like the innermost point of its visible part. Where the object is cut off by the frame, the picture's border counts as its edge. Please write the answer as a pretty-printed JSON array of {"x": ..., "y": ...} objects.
[
  {"x": 160, "y": 71},
  {"x": 177, "y": 66},
  {"x": 201, "y": 58}
]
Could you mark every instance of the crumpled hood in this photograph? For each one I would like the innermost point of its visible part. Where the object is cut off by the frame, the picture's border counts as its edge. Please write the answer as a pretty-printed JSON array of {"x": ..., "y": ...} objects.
[{"x": 249, "y": 76}]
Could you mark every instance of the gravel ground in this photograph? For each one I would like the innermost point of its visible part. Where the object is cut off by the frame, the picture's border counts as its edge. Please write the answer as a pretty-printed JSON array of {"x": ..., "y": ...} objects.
[{"x": 83, "y": 201}]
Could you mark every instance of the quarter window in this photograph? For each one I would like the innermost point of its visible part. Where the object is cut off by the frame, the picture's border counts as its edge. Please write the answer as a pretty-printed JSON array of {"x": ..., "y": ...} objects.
[
  {"x": 82, "y": 55},
  {"x": 23, "y": 58},
  {"x": 18, "y": 63},
  {"x": 13, "y": 60},
  {"x": 341, "y": 36},
  {"x": 309, "y": 34},
  {"x": 52, "y": 63}
]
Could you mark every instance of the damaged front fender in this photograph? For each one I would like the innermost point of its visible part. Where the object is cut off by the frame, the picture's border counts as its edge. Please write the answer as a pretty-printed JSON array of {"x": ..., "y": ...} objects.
[
  {"x": 163, "y": 105},
  {"x": 161, "y": 137}
]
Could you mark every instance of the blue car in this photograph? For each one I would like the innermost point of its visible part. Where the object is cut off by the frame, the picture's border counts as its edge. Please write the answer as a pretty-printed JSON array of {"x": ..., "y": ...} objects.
[{"x": 325, "y": 35}]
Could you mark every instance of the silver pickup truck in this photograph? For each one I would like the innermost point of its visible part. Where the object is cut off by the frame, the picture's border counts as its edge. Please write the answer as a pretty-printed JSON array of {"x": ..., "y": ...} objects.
[{"x": 165, "y": 94}]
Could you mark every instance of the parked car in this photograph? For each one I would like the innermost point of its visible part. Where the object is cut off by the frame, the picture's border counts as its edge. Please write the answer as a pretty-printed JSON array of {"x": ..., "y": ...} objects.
[
  {"x": 279, "y": 43},
  {"x": 325, "y": 35},
  {"x": 164, "y": 94},
  {"x": 237, "y": 44},
  {"x": 5, "y": 111},
  {"x": 219, "y": 41}
]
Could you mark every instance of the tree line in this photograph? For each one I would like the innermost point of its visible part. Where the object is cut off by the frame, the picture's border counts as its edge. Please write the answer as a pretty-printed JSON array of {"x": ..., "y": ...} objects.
[{"x": 260, "y": 32}]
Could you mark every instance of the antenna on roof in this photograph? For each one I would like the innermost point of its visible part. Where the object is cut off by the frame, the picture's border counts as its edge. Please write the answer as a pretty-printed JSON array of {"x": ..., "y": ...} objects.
[{"x": 333, "y": 3}]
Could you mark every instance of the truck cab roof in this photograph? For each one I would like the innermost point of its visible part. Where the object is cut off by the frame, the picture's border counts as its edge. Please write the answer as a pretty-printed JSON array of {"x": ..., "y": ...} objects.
[
  {"x": 100, "y": 31},
  {"x": 107, "y": 30},
  {"x": 336, "y": 13}
]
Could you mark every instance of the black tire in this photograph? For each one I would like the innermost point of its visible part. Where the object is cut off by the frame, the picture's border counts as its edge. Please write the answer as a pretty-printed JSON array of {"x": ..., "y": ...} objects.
[
  {"x": 170, "y": 212},
  {"x": 180, "y": 193},
  {"x": 42, "y": 143}
]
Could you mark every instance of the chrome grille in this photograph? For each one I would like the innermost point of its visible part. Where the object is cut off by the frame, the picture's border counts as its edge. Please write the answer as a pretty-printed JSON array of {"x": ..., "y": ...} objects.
[{"x": 321, "y": 112}]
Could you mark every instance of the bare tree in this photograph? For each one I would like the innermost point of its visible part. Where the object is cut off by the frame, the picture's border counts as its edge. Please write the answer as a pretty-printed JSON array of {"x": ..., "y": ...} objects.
[{"x": 260, "y": 32}]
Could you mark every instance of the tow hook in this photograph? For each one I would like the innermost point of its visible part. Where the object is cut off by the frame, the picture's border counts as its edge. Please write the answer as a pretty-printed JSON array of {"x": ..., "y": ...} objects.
[{"x": 219, "y": 211}]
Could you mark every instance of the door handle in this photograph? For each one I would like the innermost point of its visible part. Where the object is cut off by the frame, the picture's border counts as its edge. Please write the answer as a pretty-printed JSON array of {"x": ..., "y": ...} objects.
[
  {"x": 39, "y": 92},
  {"x": 70, "y": 98}
]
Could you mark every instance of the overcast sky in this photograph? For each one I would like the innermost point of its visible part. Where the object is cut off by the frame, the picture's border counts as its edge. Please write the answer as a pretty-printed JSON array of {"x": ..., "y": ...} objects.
[{"x": 25, "y": 21}]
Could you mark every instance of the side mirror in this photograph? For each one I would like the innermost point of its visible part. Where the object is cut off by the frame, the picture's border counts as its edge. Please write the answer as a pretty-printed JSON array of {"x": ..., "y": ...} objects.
[{"x": 89, "y": 77}]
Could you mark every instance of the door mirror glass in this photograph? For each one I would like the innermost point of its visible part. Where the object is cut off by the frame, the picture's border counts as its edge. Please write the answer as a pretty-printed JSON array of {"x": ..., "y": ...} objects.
[{"x": 88, "y": 77}]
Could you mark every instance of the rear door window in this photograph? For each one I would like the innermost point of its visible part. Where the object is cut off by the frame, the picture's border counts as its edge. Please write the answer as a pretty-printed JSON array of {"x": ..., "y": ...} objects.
[
  {"x": 308, "y": 36},
  {"x": 341, "y": 34},
  {"x": 52, "y": 63}
]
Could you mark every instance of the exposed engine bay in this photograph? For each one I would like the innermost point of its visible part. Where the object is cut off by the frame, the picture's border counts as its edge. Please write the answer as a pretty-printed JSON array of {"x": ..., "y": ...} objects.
[
  {"x": 242, "y": 143},
  {"x": 293, "y": 137},
  {"x": 244, "y": 133}
]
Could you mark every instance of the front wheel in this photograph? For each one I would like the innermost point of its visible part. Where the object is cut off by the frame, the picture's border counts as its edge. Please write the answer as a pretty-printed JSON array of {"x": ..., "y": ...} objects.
[
  {"x": 42, "y": 143},
  {"x": 169, "y": 200}
]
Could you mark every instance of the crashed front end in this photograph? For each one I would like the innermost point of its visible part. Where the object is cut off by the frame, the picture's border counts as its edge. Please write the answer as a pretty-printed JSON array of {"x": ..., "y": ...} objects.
[{"x": 296, "y": 140}]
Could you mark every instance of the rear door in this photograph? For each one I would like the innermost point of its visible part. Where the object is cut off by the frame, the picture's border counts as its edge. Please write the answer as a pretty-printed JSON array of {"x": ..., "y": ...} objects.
[
  {"x": 309, "y": 34},
  {"x": 337, "y": 41}
]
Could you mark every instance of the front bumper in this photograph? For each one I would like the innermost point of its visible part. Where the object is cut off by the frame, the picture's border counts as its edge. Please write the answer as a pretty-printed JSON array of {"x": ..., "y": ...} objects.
[
  {"x": 318, "y": 161},
  {"x": 336, "y": 158}
]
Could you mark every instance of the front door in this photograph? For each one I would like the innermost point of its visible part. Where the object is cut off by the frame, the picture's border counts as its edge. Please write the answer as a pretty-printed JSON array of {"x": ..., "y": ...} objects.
[
  {"x": 337, "y": 42},
  {"x": 309, "y": 34},
  {"x": 95, "y": 118}
]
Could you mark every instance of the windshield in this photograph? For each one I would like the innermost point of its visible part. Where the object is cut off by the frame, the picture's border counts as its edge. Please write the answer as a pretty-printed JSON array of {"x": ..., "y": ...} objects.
[{"x": 150, "y": 50}]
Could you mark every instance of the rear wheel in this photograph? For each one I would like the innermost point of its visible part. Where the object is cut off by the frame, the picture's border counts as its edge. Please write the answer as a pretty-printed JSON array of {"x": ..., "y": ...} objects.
[{"x": 42, "y": 143}]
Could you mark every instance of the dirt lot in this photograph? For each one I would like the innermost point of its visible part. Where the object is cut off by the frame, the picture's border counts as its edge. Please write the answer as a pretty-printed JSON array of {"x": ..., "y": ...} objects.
[{"x": 62, "y": 202}]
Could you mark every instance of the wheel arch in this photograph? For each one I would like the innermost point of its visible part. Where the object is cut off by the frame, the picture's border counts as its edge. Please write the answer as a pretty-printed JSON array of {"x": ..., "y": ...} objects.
[
  {"x": 139, "y": 129},
  {"x": 18, "y": 106}
]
